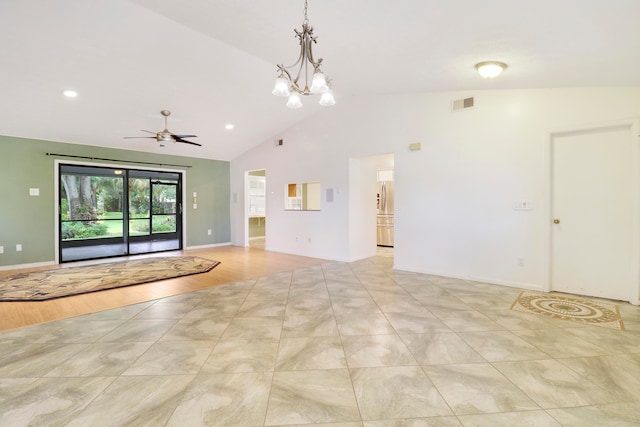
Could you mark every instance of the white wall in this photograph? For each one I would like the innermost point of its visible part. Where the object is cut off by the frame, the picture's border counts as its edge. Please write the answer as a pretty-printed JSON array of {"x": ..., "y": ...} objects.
[
  {"x": 454, "y": 198},
  {"x": 362, "y": 208}
]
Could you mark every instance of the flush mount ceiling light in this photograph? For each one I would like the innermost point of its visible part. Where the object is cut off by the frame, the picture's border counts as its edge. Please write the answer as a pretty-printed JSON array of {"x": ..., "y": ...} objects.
[
  {"x": 490, "y": 69},
  {"x": 293, "y": 80},
  {"x": 70, "y": 93},
  {"x": 229, "y": 126}
]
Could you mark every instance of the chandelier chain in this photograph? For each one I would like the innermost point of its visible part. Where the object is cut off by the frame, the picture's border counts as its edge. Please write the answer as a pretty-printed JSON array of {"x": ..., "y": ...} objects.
[{"x": 306, "y": 6}]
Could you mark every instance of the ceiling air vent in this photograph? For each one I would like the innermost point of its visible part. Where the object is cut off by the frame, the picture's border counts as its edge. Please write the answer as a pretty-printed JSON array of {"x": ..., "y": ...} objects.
[{"x": 461, "y": 104}]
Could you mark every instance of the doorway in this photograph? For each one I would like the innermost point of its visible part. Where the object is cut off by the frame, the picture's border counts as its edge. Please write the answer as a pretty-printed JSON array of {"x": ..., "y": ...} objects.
[
  {"x": 593, "y": 208},
  {"x": 107, "y": 212},
  {"x": 366, "y": 219},
  {"x": 256, "y": 217}
]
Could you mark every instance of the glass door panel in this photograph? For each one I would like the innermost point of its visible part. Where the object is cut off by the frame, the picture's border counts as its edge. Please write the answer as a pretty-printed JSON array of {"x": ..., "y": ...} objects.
[
  {"x": 155, "y": 221},
  {"x": 139, "y": 206},
  {"x": 163, "y": 207},
  {"x": 90, "y": 211}
]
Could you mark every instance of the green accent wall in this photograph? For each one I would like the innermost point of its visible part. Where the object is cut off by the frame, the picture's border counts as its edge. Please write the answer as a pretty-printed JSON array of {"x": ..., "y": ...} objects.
[{"x": 29, "y": 220}]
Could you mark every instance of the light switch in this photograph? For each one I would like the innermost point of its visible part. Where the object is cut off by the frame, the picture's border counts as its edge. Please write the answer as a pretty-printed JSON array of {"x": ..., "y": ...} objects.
[
  {"x": 523, "y": 205},
  {"x": 329, "y": 195},
  {"x": 34, "y": 191}
]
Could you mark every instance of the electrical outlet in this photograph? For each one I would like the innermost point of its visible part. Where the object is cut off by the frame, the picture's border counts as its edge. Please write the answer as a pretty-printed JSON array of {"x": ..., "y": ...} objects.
[
  {"x": 1, "y": 249},
  {"x": 309, "y": 239},
  {"x": 209, "y": 232},
  {"x": 18, "y": 247},
  {"x": 520, "y": 262}
]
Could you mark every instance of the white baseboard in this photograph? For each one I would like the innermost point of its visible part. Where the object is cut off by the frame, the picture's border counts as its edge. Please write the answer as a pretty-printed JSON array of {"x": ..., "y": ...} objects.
[
  {"x": 358, "y": 258},
  {"x": 520, "y": 285},
  {"x": 490, "y": 280},
  {"x": 32, "y": 265},
  {"x": 214, "y": 245}
]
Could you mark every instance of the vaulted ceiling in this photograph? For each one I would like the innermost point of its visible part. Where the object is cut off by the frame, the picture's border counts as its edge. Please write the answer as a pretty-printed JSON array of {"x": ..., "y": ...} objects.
[{"x": 212, "y": 62}]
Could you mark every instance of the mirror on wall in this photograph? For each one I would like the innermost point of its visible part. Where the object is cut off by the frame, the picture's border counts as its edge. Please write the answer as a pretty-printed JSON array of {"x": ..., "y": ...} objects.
[{"x": 302, "y": 197}]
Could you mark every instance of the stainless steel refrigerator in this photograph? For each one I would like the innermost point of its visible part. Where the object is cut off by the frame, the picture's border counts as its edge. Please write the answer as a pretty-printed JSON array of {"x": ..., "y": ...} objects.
[{"x": 385, "y": 213}]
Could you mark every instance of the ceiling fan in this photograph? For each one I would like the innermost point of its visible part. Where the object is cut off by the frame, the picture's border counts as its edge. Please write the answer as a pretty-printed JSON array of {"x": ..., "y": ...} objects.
[{"x": 166, "y": 135}]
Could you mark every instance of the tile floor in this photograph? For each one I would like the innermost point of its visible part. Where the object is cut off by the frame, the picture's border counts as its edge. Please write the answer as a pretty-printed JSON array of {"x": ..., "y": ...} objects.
[{"x": 338, "y": 344}]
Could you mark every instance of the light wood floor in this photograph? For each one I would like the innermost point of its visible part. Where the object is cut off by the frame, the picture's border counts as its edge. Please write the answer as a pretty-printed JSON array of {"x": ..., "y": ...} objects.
[{"x": 237, "y": 263}]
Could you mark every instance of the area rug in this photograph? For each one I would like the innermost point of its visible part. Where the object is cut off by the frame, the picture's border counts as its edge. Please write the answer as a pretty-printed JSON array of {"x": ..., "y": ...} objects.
[
  {"x": 568, "y": 308},
  {"x": 62, "y": 282}
]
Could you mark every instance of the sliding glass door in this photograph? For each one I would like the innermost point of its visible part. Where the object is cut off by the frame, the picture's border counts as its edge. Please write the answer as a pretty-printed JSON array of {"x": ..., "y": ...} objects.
[{"x": 102, "y": 217}]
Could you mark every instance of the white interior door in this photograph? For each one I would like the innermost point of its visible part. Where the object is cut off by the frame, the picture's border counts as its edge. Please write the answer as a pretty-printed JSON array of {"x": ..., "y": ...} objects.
[{"x": 592, "y": 203}]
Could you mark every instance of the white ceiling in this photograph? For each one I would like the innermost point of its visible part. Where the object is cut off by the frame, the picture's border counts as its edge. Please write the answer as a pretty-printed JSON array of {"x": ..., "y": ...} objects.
[{"x": 212, "y": 62}]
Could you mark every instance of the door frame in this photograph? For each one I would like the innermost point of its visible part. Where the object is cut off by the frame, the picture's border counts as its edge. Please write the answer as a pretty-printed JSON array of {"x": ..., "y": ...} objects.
[
  {"x": 245, "y": 208},
  {"x": 56, "y": 194},
  {"x": 634, "y": 130},
  {"x": 179, "y": 210}
]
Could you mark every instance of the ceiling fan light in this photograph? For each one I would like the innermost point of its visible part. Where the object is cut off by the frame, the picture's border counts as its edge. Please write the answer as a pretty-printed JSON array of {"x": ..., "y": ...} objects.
[
  {"x": 490, "y": 69},
  {"x": 282, "y": 87},
  {"x": 327, "y": 99},
  {"x": 294, "y": 100},
  {"x": 319, "y": 83}
]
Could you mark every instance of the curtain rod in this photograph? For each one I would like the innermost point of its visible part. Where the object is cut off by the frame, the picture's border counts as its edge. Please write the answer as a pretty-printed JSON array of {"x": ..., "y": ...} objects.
[{"x": 116, "y": 160}]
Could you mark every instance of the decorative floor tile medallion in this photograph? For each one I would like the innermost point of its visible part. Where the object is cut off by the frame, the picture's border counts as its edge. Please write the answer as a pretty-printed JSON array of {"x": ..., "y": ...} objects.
[{"x": 568, "y": 308}]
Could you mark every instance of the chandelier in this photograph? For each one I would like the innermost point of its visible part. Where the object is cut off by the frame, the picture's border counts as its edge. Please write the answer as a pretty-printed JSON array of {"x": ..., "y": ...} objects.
[{"x": 293, "y": 81}]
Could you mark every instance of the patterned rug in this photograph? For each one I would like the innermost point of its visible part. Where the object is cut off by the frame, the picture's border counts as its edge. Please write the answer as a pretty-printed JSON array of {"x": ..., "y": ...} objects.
[
  {"x": 568, "y": 308},
  {"x": 62, "y": 282}
]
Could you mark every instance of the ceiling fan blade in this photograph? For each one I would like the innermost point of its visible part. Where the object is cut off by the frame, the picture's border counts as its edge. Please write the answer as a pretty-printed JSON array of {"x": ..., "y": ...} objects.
[
  {"x": 142, "y": 130},
  {"x": 183, "y": 136},
  {"x": 129, "y": 137},
  {"x": 187, "y": 142}
]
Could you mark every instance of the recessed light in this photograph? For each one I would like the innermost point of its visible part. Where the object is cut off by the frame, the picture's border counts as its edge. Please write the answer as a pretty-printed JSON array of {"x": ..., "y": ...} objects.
[
  {"x": 229, "y": 126},
  {"x": 70, "y": 93}
]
